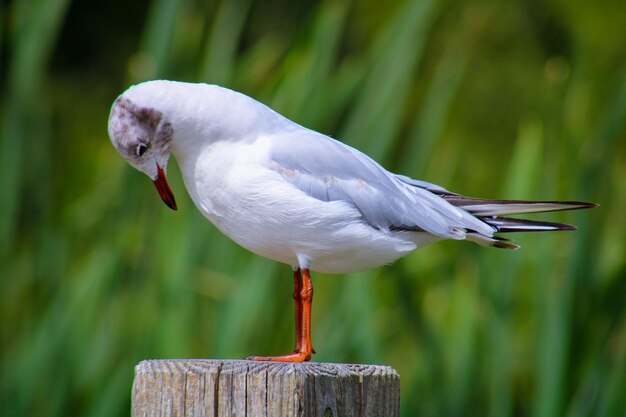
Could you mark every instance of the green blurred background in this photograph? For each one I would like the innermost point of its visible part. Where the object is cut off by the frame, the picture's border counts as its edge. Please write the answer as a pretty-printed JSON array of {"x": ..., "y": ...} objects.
[{"x": 503, "y": 99}]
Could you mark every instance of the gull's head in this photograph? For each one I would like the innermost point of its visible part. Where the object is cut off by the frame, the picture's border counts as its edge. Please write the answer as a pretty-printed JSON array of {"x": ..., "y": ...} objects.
[
  {"x": 147, "y": 117},
  {"x": 142, "y": 135}
]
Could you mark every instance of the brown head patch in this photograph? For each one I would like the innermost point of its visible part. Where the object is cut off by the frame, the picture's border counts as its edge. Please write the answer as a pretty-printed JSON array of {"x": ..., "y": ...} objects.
[{"x": 131, "y": 125}]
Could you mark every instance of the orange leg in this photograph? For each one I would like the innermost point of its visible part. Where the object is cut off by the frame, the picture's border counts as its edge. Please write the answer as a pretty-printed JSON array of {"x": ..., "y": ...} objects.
[
  {"x": 303, "y": 297},
  {"x": 297, "y": 298}
]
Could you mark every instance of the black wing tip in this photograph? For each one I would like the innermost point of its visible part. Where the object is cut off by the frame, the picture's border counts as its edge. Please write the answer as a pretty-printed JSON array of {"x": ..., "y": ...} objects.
[
  {"x": 578, "y": 205},
  {"x": 512, "y": 225},
  {"x": 566, "y": 227},
  {"x": 473, "y": 205},
  {"x": 542, "y": 227},
  {"x": 505, "y": 245}
]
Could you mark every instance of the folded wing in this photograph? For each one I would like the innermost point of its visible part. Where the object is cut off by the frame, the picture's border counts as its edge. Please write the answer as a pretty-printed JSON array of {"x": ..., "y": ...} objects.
[{"x": 328, "y": 170}]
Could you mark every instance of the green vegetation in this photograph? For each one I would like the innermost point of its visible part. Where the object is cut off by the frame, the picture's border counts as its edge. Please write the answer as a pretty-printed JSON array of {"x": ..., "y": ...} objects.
[{"x": 497, "y": 99}]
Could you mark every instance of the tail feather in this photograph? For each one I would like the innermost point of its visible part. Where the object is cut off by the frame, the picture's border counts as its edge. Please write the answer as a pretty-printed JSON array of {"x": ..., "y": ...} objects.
[
  {"x": 489, "y": 211},
  {"x": 508, "y": 225},
  {"x": 483, "y": 207}
]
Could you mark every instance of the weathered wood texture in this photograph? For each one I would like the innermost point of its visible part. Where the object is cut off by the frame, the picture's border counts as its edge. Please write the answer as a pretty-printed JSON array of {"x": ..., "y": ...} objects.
[{"x": 202, "y": 388}]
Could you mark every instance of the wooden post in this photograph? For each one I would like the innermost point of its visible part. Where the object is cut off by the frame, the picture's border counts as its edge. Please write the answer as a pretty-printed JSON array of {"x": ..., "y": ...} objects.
[{"x": 203, "y": 388}]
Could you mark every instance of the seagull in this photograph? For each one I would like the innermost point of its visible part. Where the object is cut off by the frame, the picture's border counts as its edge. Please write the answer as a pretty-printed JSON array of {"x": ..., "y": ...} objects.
[{"x": 297, "y": 196}]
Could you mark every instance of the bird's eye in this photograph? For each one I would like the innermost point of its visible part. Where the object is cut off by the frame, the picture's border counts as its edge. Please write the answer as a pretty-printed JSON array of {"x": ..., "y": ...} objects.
[{"x": 141, "y": 148}]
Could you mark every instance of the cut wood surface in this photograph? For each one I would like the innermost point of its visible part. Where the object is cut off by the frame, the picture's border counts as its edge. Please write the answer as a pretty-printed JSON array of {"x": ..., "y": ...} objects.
[{"x": 204, "y": 387}]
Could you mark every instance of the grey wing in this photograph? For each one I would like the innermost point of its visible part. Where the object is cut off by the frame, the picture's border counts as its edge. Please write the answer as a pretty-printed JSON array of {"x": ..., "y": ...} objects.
[{"x": 329, "y": 170}]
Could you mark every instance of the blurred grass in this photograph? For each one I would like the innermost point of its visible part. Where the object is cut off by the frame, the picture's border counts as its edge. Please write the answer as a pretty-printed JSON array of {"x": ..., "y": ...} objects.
[{"x": 497, "y": 99}]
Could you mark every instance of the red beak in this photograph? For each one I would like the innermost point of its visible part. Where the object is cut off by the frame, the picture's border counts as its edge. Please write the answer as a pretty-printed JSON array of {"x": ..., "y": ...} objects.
[{"x": 164, "y": 189}]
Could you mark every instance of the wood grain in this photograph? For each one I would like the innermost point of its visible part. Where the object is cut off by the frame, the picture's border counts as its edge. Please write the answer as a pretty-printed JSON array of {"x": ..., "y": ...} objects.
[{"x": 203, "y": 388}]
